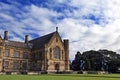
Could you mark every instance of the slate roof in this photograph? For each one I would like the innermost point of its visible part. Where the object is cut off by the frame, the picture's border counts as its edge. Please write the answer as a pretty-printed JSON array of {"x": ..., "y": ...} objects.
[
  {"x": 16, "y": 44},
  {"x": 41, "y": 41}
]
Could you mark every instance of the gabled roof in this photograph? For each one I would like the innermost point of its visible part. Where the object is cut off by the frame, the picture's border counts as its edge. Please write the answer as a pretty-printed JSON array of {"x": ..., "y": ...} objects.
[{"x": 41, "y": 41}]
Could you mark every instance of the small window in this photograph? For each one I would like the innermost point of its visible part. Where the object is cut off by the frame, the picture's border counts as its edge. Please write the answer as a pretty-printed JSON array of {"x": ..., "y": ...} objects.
[
  {"x": 6, "y": 64},
  {"x": 56, "y": 39},
  {"x": 16, "y": 65},
  {"x": 6, "y": 53},
  {"x": 16, "y": 54}
]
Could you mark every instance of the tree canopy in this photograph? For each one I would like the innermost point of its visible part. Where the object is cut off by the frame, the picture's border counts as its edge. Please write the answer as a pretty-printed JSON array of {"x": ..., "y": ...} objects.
[{"x": 101, "y": 60}]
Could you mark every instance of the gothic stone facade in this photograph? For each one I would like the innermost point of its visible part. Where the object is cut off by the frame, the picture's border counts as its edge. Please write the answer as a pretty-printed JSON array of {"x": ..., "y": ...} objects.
[{"x": 47, "y": 53}]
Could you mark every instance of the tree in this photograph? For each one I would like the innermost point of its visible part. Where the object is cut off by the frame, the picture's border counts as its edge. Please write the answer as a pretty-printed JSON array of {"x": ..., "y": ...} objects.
[
  {"x": 77, "y": 61},
  {"x": 93, "y": 60},
  {"x": 87, "y": 64},
  {"x": 101, "y": 60}
]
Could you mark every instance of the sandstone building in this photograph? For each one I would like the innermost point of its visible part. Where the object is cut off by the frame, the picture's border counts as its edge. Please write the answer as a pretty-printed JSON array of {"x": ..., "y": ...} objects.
[{"x": 46, "y": 54}]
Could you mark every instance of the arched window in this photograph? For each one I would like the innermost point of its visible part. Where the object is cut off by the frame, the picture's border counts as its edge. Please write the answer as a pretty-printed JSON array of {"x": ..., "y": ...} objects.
[{"x": 56, "y": 52}]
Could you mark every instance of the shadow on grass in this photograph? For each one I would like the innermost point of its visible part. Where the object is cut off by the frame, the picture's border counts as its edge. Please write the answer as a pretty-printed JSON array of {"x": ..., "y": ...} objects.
[{"x": 89, "y": 76}]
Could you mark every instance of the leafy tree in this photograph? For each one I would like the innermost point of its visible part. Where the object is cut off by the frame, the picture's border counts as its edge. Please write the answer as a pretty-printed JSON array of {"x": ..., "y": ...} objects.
[
  {"x": 93, "y": 59},
  {"x": 101, "y": 60},
  {"x": 87, "y": 64}
]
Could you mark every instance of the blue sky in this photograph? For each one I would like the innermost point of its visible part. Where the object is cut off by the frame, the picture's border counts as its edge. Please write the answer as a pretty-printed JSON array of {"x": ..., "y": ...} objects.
[{"x": 88, "y": 24}]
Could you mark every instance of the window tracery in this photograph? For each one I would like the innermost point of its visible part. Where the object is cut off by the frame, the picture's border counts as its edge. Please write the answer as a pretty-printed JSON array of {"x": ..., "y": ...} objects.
[{"x": 56, "y": 52}]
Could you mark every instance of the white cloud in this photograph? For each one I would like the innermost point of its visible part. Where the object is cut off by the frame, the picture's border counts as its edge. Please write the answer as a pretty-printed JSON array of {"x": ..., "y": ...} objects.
[
  {"x": 112, "y": 9},
  {"x": 7, "y": 17},
  {"x": 95, "y": 37},
  {"x": 77, "y": 25}
]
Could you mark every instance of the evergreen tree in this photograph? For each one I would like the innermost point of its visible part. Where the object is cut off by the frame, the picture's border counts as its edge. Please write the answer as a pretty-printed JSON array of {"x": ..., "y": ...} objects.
[{"x": 77, "y": 61}]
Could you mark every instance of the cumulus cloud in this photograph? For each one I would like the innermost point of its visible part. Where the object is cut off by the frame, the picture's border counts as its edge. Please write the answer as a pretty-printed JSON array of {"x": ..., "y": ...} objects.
[{"x": 87, "y": 24}]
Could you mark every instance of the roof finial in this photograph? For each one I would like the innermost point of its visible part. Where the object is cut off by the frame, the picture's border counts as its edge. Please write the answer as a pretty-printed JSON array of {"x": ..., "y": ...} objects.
[{"x": 56, "y": 29}]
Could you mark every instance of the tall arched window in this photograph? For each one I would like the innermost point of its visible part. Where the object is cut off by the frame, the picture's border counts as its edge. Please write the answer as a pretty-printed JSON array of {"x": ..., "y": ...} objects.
[{"x": 56, "y": 52}]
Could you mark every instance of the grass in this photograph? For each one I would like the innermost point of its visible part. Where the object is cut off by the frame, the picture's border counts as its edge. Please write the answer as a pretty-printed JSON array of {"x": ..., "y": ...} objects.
[{"x": 62, "y": 77}]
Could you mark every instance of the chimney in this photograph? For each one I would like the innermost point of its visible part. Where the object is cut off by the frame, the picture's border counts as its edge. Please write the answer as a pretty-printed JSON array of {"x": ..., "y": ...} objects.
[
  {"x": 66, "y": 47},
  {"x": 5, "y": 35},
  {"x": 56, "y": 29},
  {"x": 26, "y": 38}
]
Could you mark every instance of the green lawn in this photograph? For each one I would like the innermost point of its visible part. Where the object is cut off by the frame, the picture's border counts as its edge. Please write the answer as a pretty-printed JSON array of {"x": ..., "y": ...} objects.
[{"x": 62, "y": 77}]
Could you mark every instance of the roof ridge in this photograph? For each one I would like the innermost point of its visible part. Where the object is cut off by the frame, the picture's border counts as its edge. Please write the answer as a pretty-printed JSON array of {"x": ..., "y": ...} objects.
[
  {"x": 16, "y": 41},
  {"x": 41, "y": 41},
  {"x": 43, "y": 36}
]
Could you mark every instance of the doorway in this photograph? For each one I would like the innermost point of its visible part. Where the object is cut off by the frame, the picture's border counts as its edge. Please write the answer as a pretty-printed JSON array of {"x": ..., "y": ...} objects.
[{"x": 57, "y": 67}]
